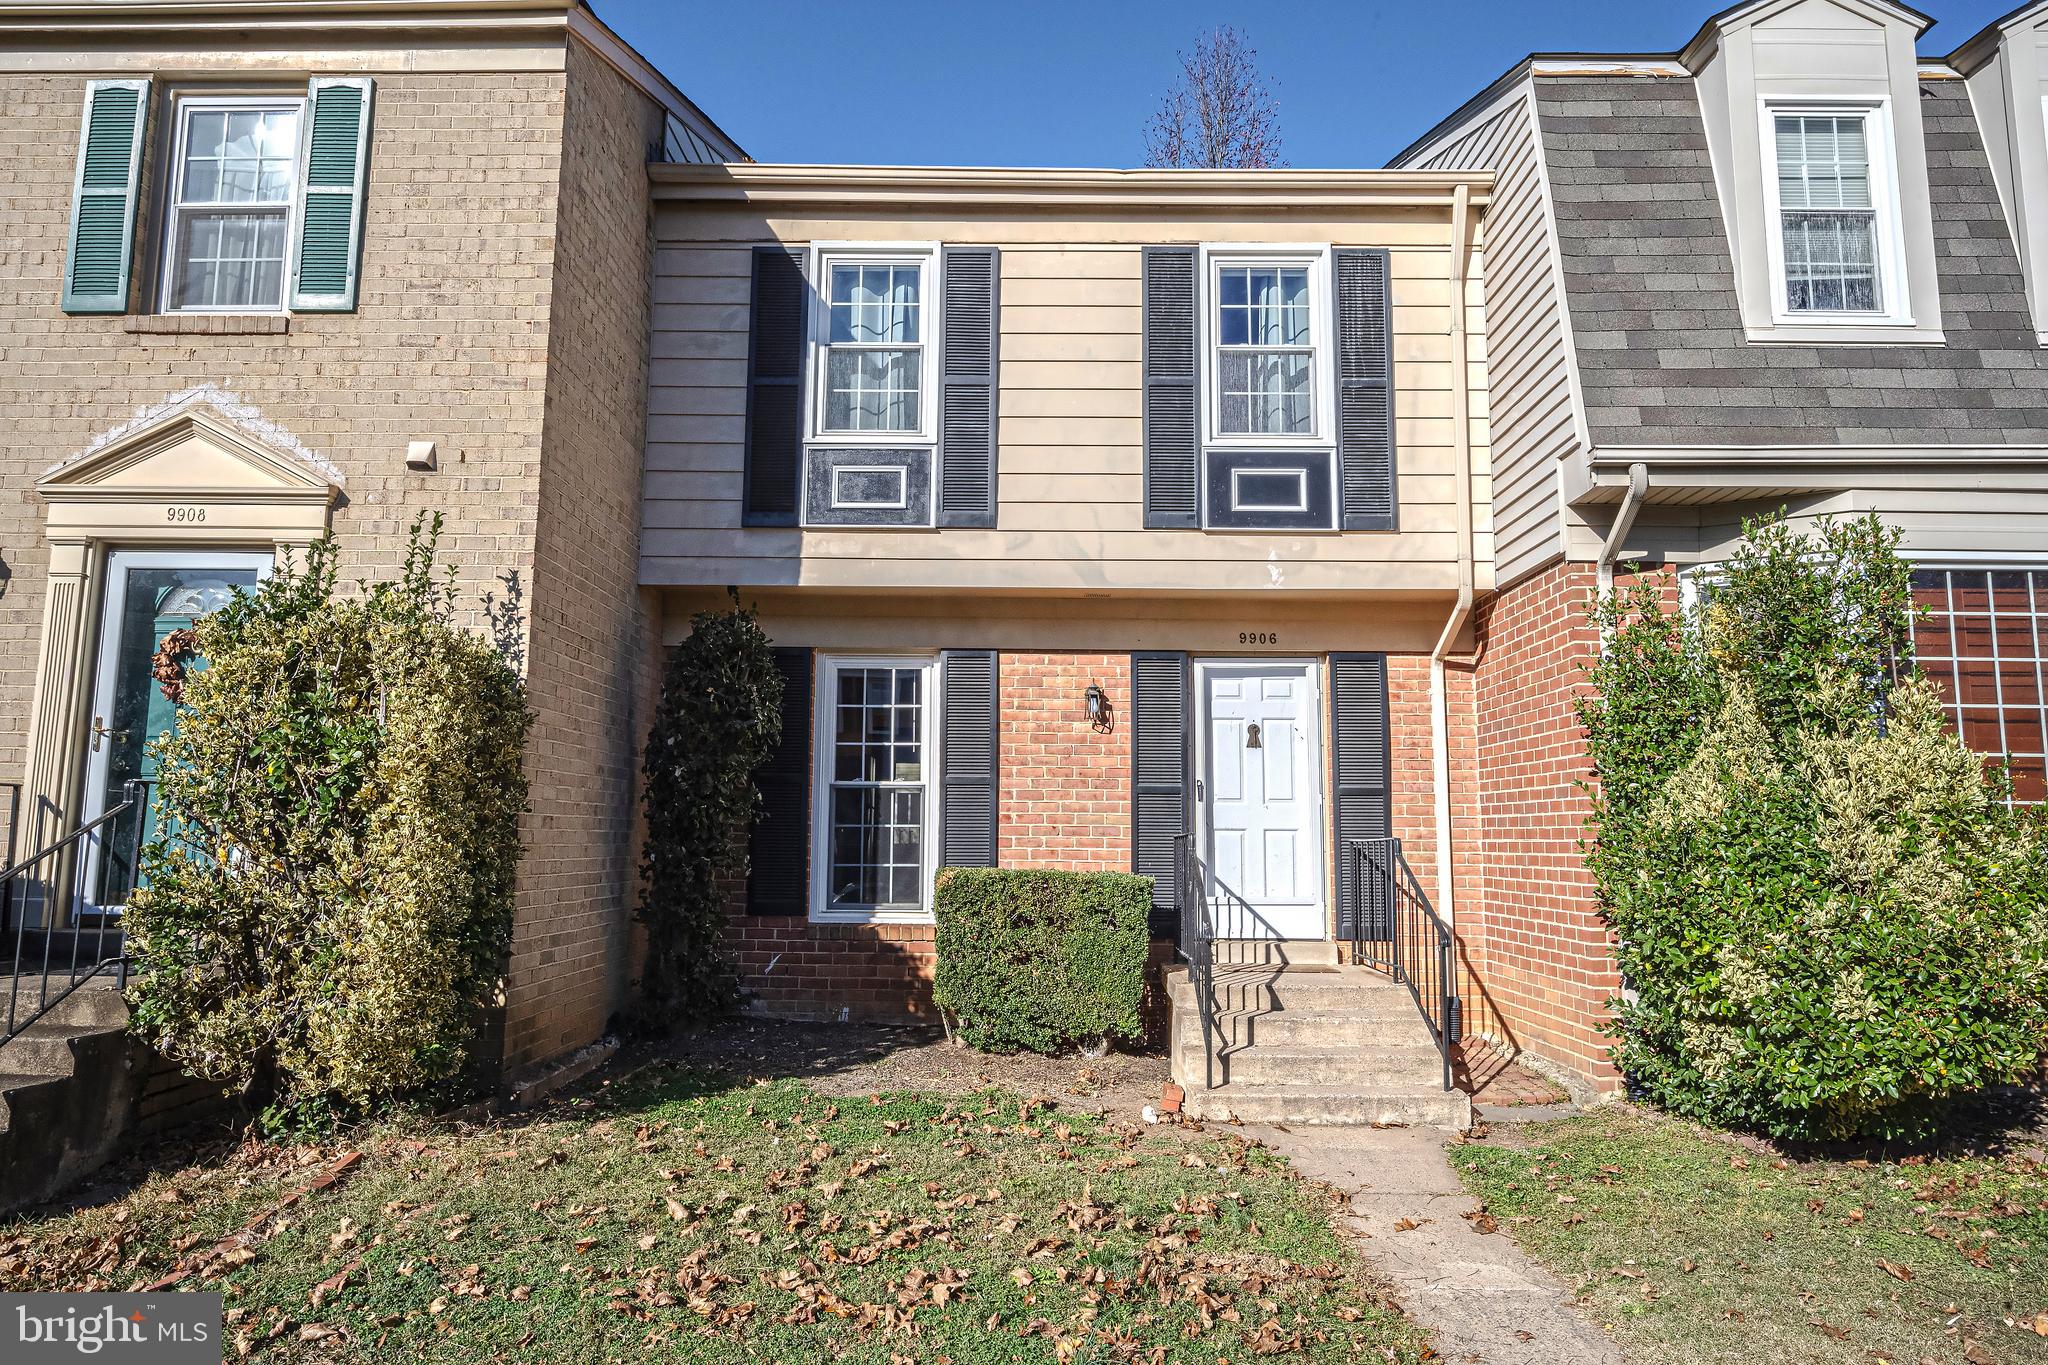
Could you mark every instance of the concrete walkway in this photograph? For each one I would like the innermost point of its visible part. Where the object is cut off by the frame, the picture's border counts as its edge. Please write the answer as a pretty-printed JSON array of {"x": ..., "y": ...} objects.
[{"x": 1484, "y": 1299}]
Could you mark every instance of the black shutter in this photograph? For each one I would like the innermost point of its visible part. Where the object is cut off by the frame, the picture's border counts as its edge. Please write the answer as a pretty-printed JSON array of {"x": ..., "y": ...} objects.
[
  {"x": 967, "y": 758},
  {"x": 1171, "y": 448},
  {"x": 1365, "y": 392},
  {"x": 967, "y": 389},
  {"x": 775, "y": 390},
  {"x": 778, "y": 853},
  {"x": 1160, "y": 750},
  {"x": 1360, "y": 778}
]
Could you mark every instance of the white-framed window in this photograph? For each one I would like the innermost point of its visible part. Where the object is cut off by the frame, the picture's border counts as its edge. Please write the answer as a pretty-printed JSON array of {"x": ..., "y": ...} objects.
[
  {"x": 1833, "y": 214},
  {"x": 1268, "y": 345},
  {"x": 876, "y": 794},
  {"x": 231, "y": 200},
  {"x": 874, "y": 349}
]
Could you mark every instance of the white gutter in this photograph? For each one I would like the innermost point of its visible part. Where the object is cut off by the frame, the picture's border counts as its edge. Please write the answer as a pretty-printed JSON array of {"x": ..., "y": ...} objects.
[
  {"x": 1631, "y": 503},
  {"x": 1461, "y": 440}
]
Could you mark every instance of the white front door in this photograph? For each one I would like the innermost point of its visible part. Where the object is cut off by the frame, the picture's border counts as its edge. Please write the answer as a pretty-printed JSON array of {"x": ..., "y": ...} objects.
[{"x": 1259, "y": 799}]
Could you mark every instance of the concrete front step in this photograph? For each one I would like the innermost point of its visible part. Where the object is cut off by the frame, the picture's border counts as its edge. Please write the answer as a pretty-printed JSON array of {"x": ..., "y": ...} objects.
[
  {"x": 96, "y": 1004},
  {"x": 42, "y": 1049},
  {"x": 1273, "y": 952},
  {"x": 1396, "y": 1066},
  {"x": 1295, "y": 1043},
  {"x": 1307, "y": 1104},
  {"x": 1334, "y": 1029}
]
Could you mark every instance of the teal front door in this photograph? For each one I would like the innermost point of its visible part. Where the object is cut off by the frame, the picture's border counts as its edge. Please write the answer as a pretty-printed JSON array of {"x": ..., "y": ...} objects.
[{"x": 149, "y": 594}]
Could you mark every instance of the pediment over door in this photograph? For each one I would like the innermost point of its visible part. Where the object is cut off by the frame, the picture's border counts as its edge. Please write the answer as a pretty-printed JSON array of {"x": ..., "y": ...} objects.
[{"x": 201, "y": 471}]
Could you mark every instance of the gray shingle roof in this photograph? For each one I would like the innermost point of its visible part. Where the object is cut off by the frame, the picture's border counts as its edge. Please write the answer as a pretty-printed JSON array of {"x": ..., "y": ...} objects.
[{"x": 1651, "y": 287}]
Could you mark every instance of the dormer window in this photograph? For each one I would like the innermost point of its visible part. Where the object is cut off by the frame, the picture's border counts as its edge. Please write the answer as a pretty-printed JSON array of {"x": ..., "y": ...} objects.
[
  {"x": 1826, "y": 214},
  {"x": 1834, "y": 239}
]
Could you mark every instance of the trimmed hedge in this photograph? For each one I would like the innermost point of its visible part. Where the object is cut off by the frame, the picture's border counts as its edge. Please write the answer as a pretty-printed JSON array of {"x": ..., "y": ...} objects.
[{"x": 1041, "y": 961}]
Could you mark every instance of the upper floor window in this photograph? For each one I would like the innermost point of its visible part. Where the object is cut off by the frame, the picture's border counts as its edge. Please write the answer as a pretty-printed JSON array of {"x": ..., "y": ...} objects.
[
  {"x": 234, "y": 178},
  {"x": 875, "y": 378},
  {"x": 1268, "y": 358},
  {"x": 1265, "y": 352},
  {"x": 1833, "y": 214}
]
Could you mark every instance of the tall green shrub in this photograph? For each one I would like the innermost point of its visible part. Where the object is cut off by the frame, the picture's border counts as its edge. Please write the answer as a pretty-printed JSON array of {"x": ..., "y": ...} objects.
[
  {"x": 719, "y": 718},
  {"x": 327, "y": 903},
  {"x": 1831, "y": 922},
  {"x": 1038, "y": 960}
]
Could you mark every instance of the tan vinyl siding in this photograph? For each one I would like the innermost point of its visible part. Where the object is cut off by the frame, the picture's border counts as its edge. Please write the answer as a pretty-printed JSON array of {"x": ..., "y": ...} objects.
[
  {"x": 1070, "y": 464},
  {"x": 1533, "y": 422}
]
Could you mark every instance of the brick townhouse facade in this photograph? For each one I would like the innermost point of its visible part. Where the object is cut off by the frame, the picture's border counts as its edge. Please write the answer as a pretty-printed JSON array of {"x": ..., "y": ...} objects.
[
  {"x": 1220, "y": 526},
  {"x": 1795, "y": 264},
  {"x": 275, "y": 271}
]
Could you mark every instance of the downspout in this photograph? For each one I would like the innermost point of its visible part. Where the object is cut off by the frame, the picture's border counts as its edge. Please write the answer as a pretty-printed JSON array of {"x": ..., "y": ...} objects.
[
  {"x": 1461, "y": 611},
  {"x": 1631, "y": 503}
]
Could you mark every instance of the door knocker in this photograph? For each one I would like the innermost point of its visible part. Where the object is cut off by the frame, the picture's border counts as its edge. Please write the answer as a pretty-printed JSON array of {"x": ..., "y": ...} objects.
[{"x": 1251, "y": 737}]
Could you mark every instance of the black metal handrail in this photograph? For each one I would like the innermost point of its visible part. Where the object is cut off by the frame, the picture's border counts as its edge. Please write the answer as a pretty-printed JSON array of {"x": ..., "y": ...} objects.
[
  {"x": 1197, "y": 943},
  {"x": 1395, "y": 929},
  {"x": 66, "y": 977},
  {"x": 13, "y": 790}
]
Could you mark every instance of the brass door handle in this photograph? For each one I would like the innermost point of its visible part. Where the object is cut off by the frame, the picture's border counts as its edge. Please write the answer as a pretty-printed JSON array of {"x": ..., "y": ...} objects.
[{"x": 100, "y": 731}]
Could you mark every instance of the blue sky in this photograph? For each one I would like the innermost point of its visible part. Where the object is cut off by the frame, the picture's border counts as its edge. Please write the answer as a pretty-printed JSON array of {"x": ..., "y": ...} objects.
[{"x": 1060, "y": 83}]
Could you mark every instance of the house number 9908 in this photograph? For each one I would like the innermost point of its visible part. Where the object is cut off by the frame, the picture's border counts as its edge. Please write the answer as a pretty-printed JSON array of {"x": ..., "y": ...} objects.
[
  {"x": 1258, "y": 637},
  {"x": 183, "y": 515}
]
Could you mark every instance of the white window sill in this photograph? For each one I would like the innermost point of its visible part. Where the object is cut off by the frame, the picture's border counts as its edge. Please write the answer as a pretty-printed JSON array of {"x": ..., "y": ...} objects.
[
  {"x": 1846, "y": 334},
  {"x": 874, "y": 917}
]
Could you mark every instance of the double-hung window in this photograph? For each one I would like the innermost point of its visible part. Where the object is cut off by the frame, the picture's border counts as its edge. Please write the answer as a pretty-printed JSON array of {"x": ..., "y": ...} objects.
[
  {"x": 1834, "y": 222},
  {"x": 1268, "y": 386},
  {"x": 234, "y": 178},
  {"x": 875, "y": 381},
  {"x": 875, "y": 795},
  {"x": 1265, "y": 350}
]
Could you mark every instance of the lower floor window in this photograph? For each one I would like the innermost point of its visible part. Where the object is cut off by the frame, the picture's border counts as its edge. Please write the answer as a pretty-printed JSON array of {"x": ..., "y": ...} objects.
[
  {"x": 874, "y": 798},
  {"x": 1980, "y": 637}
]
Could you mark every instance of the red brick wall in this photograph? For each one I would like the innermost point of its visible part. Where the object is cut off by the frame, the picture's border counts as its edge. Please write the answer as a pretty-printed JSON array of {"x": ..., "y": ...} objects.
[
  {"x": 1066, "y": 803},
  {"x": 1066, "y": 785},
  {"x": 1532, "y": 937}
]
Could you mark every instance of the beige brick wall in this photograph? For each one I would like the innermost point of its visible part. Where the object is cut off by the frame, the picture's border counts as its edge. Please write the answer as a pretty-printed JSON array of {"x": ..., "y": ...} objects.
[
  {"x": 477, "y": 226},
  {"x": 593, "y": 640}
]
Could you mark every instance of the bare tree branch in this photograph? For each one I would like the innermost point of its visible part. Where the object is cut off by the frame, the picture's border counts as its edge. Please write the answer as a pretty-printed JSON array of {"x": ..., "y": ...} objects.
[{"x": 1221, "y": 113}]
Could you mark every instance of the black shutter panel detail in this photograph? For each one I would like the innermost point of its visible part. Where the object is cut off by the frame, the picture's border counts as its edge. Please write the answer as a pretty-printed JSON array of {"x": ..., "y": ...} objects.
[
  {"x": 1172, "y": 451},
  {"x": 1365, "y": 392},
  {"x": 778, "y": 853},
  {"x": 967, "y": 389},
  {"x": 775, "y": 390},
  {"x": 1160, "y": 750},
  {"x": 1360, "y": 778},
  {"x": 967, "y": 758}
]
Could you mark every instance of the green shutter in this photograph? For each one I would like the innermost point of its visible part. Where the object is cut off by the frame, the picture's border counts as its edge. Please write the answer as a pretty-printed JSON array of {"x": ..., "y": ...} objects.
[
  {"x": 331, "y": 183},
  {"x": 103, "y": 202}
]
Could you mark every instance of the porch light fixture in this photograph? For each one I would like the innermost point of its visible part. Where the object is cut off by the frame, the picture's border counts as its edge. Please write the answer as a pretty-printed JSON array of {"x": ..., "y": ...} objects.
[{"x": 1098, "y": 708}]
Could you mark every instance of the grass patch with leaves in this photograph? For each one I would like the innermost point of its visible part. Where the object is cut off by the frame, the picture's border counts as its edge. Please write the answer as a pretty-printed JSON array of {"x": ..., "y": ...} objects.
[
  {"x": 677, "y": 1216},
  {"x": 1697, "y": 1248}
]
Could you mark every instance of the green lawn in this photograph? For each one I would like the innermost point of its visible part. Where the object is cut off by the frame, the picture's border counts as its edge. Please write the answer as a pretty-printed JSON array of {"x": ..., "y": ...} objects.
[
  {"x": 676, "y": 1217},
  {"x": 1697, "y": 1249}
]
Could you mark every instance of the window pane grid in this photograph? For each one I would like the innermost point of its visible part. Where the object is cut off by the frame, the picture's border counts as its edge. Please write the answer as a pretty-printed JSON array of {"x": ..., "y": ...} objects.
[
  {"x": 231, "y": 209},
  {"x": 876, "y": 798},
  {"x": 1828, "y": 217},
  {"x": 1266, "y": 353},
  {"x": 1979, "y": 637},
  {"x": 874, "y": 363}
]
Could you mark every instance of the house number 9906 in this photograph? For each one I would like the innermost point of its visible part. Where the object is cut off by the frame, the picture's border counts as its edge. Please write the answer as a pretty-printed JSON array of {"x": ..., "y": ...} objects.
[
  {"x": 184, "y": 515},
  {"x": 1258, "y": 637}
]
